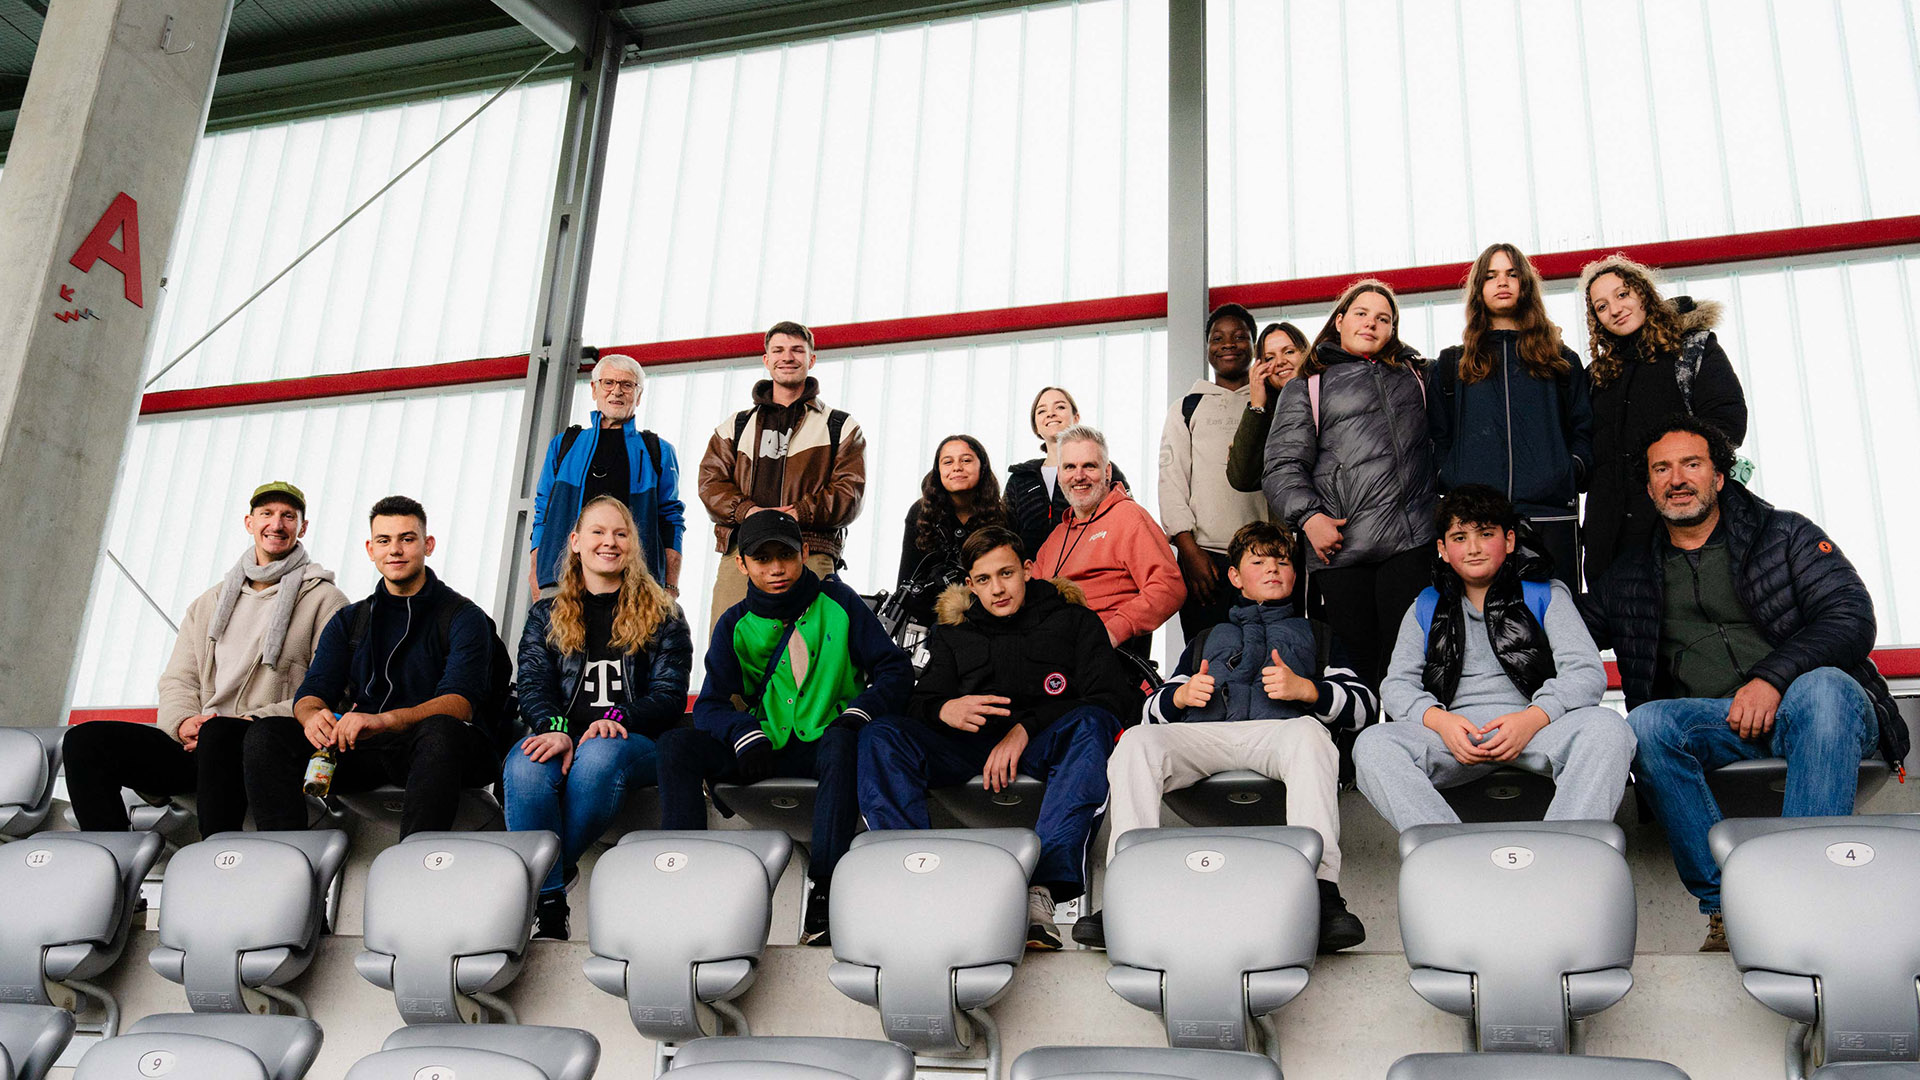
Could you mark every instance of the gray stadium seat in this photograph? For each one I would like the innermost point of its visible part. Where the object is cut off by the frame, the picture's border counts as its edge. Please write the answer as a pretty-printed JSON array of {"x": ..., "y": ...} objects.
[
  {"x": 242, "y": 916},
  {"x": 1566, "y": 956},
  {"x": 1509, "y": 793},
  {"x": 928, "y": 926},
  {"x": 57, "y": 947},
  {"x": 677, "y": 923},
  {"x": 206, "y": 1046},
  {"x": 972, "y": 806},
  {"x": 1231, "y": 799},
  {"x": 447, "y": 920},
  {"x": 782, "y": 802},
  {"x": 1140, "y": 1063},
  {"x": 481, "y": 1052},
  {"x": 31, "y": 1039},
  {"x": 1528, "y": 1067},
  {"x": 790, "y": 1058},
  {"x": 1819, "y": 926},
  {"x": 29, "y": 762},
  {"x": 1211, "y": 979},
  {"x": 478, "y": 811},
  {"x": 1758, "y": 788}
]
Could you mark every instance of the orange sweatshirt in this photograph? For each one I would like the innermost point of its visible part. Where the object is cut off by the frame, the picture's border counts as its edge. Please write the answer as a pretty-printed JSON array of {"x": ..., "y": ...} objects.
[{"x": 1120, "y": 558}]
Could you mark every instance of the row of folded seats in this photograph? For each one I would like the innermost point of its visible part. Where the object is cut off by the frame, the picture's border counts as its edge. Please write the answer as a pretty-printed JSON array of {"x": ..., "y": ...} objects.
[{"x": 928, "y": 928}]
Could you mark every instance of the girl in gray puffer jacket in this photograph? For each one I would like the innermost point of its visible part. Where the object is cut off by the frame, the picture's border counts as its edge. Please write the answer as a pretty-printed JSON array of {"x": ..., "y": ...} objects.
[{"x": 1350, "y": 464}]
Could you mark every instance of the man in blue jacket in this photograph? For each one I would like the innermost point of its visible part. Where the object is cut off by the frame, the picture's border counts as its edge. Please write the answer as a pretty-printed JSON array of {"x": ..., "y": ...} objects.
[
  {"x": 794, "y": 672},
  {"x": 637, "y": 467},
  {"x": 1742, "y": 633},
  {"x": 399, "y": 689}
]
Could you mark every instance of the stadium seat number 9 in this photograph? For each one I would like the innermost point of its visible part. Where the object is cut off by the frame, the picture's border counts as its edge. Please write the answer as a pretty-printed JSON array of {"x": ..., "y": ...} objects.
[
  {"x": 156, "y": 1063},
  {"x": 438, "y": 860}
]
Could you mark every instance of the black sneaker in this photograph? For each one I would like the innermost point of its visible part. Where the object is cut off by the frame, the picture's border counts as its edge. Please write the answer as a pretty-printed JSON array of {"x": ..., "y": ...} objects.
[
  {"x": 1339, "y": 928},
  {"x": 1091, "y": 930},
  {"x": 550, "y": 917},
  {"x": 816, "y": 929}
]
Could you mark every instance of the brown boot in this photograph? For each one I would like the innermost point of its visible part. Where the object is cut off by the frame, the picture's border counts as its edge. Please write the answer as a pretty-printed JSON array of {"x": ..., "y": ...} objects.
[{"x": 1716, "y": 934}]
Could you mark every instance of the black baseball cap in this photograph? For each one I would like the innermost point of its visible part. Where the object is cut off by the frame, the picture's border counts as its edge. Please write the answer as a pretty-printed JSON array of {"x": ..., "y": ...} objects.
[{"x": 767, "y": 527}]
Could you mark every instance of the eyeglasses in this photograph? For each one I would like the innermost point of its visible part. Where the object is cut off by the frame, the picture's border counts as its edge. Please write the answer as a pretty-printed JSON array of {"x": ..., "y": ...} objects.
[{"x": 625, "y": 386}]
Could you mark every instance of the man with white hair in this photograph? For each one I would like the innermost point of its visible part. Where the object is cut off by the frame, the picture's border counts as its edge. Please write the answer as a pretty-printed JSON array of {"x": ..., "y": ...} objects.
[
  {"x": 638, "y": 468},
  {"x": 1110, "y": 546}
]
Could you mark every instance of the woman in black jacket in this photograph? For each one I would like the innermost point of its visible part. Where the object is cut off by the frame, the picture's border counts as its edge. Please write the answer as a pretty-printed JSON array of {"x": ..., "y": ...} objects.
[
  {"x": 958, "y": 495},
  {"x": 604, "y": 665},
  {"x": 1277, "y": 356},
  {"x": 1509, "y": 408},
  {"x": 1350, "y": 464},
  {"x": 1035, "y": 499},
  {"x": 1652, "y": 359}
]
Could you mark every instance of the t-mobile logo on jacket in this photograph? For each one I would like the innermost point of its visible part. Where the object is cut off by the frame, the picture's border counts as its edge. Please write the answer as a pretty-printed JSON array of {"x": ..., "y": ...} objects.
[{"x": 602, "y": 680}]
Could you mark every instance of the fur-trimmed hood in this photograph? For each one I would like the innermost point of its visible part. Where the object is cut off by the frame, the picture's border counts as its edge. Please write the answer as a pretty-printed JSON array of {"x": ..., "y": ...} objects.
[
  {"x": 1697, "y": 314},
  {"x": 954, "y": 601}
]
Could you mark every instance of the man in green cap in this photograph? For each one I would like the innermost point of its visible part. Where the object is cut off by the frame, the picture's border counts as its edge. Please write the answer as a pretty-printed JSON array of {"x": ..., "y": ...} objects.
[{"x": 243, "y": 648}]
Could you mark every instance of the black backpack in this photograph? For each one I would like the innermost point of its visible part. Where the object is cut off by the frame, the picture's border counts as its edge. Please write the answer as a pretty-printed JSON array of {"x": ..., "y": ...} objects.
[
  {"x": 836, "y": 421},
  {"x": 651, "y": 440},
  {"x": 498, "y": 713}
]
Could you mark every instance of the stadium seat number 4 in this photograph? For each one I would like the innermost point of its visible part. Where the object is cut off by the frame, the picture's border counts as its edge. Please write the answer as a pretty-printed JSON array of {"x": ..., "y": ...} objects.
[
  {"x": 1849, "y": 854},
  {"x": 1512, "y": 857}
]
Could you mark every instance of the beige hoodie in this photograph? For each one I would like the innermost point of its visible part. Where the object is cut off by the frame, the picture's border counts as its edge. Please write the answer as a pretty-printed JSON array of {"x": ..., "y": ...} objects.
[{"x": 187, "y": 683}]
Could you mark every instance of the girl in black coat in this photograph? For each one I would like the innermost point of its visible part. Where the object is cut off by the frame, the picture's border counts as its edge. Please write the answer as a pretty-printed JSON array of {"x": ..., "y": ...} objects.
[
  {"x": 1035, "y": 499},
  {"x": 957, "y": 496},
  {"x": 1652, "y": 359}
]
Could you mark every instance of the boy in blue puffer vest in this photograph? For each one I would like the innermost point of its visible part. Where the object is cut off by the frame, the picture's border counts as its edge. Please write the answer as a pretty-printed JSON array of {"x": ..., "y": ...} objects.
[
  {"x": 1259, "y": 691},
  {"x": 1491, "y": 667}
]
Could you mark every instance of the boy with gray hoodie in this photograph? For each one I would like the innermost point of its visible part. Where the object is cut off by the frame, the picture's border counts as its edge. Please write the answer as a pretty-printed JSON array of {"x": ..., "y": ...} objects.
[{"x": 1491, "y": 667}]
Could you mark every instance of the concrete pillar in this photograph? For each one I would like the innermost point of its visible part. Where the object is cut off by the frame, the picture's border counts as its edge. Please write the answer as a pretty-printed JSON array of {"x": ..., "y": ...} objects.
[
  {"x": 89, "y": 203},
  {"x": 1186, "y": 193}
]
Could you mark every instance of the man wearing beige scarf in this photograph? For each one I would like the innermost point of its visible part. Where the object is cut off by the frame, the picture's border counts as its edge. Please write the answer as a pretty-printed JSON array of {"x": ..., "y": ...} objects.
[{"x": 244, "y": 646}]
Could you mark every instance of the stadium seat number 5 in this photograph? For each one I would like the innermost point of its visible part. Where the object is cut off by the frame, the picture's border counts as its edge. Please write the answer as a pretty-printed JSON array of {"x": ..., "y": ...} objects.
[
  {"x": 1205, "y": 862},
  {"x": 1849, "y": 854},
  {"x": 1512, "y": 857}
]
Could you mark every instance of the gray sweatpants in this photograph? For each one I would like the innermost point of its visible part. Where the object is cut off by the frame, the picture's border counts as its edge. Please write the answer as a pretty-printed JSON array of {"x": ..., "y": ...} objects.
[{"x": 1402, "y": 765}]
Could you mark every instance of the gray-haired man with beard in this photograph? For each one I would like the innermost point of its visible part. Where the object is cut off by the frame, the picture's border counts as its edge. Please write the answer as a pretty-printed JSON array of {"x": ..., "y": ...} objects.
[
  {"x": 244, "y": 645},
  {"x": 1742, "y": 633}
]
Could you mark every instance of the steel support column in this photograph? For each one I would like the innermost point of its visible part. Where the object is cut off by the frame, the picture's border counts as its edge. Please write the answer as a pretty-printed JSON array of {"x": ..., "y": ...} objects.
[
  {"x": 554, "y": 359},
  {"x": 1186, "y": 193}
]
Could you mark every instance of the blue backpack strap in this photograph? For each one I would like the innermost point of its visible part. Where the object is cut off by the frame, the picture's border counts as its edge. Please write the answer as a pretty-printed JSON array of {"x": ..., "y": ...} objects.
[
  {"x": 1423, "y": 608},
  {"x": 1538, "y": 594}
]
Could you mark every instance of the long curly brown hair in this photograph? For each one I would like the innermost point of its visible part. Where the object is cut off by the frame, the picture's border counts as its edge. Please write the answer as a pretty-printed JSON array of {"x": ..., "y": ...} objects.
[
  {"x": 1660, "y": 336},
  {"x": 936, "y": 503},
  {"x": 643, "y": 605},
  {"x": 1389, "y": 354},
  {"x": 1539, "y": 336}
]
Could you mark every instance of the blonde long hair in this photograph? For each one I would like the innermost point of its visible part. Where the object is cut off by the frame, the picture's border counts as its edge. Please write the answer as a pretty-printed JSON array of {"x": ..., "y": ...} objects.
[{"x": 643, "y": 604}]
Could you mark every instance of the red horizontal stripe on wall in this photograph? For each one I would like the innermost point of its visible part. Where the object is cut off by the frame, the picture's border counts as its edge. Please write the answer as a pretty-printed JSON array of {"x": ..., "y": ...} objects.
[{"x": 1672, "y": 254}]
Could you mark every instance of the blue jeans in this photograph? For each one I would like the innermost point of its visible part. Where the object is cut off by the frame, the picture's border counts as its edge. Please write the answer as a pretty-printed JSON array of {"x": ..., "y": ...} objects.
[
  {"x": 1824, "y": 727},
  {"x": 580, "y": 804},
  {"x": 901, "y": 759}
]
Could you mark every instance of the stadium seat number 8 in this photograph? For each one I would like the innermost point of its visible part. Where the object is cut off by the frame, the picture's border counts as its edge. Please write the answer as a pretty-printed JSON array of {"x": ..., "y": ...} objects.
[
  {"x": 923, "y": 862},
  {"x": 1205, "y": 862},
  {"x": 670, "y": 862},
  {"x": 156, "y": 1063},
  {"x": 1513, "y": 857},
  {"x": 1849, "y": 854}
]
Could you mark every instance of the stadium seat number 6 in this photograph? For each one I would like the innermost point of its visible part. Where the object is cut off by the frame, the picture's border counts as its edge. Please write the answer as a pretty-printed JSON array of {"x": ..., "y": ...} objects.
[
  {"x": 1205, "y": 862},
  {"x": 1512, "y": 857},
  {"x": 1849, "y": 854}
]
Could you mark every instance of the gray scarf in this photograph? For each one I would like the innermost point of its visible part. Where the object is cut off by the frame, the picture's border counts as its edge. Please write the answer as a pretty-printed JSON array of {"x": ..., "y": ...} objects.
[{"x": 289, "y": 572}]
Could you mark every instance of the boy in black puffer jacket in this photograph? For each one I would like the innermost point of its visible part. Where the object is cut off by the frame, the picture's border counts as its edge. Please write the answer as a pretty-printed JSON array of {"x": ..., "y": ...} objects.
[{"x": 1021, "y": 679}]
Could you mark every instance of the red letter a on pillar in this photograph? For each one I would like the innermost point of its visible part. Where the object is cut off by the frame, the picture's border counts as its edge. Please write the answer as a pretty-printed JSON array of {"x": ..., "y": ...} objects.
[{"x": 122, "y": 217}]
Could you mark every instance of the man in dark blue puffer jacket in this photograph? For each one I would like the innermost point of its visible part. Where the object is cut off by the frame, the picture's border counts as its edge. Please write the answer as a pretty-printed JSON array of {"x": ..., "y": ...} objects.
[{"x": 1742, "y": 632}]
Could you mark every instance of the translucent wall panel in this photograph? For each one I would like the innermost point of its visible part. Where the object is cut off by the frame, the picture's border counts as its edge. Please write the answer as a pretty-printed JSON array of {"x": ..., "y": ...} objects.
[
  {"x": 444, "y": 267},
  {"x": 1828, "y": 353},
  {"x": 1373, "y": 133},
  {"x": 907, "y": 401},
  {"x": 1006, "y": 159},
  {"x": 178, "y": 512}
]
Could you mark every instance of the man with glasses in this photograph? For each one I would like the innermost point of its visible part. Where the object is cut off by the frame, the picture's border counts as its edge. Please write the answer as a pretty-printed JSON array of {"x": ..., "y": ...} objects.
[{"x": 637, "y": 467}]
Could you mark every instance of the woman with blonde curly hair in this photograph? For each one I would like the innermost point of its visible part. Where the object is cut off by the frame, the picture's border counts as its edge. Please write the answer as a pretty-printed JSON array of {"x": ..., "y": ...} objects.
[
  {"x": 1652, "y": 359},
  {"x": 604, "y": 664}
]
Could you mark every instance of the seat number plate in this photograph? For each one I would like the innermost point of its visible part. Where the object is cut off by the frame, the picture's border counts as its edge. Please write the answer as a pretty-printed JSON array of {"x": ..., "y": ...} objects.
[
  {"x": 39, "y": 858},
  {"x": 434, "y": 1072},
  {"x": 1205, "y": 862},
  {"x": 670, "y": 862},
  {"x": 1512, "y": 857},
  {"x": 438, "y": 860},
  {"x": 226, "y": 860},
  {"x": 923, "y": 862},
  {"x": 156, "y": 1063},
  {"x": 1849, "y": 854}
]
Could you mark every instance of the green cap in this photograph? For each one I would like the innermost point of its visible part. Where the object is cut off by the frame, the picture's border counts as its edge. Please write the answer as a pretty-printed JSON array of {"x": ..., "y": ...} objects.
[{"x": 279, "y": 491}]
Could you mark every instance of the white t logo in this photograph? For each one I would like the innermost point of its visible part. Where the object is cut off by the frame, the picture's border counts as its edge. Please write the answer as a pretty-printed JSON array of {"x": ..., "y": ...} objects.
[{"x": 602, "y": 681}]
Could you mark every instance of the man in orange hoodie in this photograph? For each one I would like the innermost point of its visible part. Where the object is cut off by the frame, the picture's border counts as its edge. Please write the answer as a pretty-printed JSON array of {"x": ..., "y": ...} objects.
[{"x": 1110, "y": 547}]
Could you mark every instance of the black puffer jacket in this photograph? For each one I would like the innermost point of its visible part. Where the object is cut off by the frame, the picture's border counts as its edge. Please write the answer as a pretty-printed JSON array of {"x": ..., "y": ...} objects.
[
  {"x": 1034, "y": 512},
  {"x": 1519, "y": 641},
  {"x": 1619, "y": 514},
  {"x": 653, "y": 679},
  {"x": 1369, "y": 459},
  {"x": 1801, "y": 592}
]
